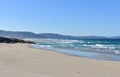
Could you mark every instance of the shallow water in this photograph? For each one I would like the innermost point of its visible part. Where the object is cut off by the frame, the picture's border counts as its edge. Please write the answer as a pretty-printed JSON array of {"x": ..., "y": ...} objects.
[{"x": 96, "y": 49}]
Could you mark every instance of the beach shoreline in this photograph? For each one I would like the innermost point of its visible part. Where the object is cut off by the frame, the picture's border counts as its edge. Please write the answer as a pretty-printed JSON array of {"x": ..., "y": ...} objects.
[
  {"x": 98, "y": 55},
  {"x": 21, "y": 60}
]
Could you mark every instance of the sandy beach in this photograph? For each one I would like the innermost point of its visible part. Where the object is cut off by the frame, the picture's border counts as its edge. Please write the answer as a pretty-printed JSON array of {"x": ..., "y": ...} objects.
[{"x": 20, "y": 60}]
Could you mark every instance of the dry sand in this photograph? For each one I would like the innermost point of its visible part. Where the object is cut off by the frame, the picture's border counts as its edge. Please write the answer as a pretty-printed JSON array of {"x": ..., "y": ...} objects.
[{"x": 19, "y": 60}]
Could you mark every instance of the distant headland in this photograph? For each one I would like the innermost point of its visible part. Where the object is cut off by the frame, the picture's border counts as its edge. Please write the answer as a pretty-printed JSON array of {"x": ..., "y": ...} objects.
[{"x": 23, "y": 35}]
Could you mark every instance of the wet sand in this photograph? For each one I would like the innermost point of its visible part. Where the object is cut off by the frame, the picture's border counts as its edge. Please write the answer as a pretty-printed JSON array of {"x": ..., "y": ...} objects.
[{"x": 20, "y": 60}]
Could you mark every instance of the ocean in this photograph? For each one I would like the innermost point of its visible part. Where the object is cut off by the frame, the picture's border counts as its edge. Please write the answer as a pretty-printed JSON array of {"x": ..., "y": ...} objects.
[{"x": 100, "y": 49}]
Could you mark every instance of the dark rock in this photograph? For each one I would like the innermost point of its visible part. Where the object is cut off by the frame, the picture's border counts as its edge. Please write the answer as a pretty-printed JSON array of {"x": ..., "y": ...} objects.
[{"x": 13, "y": 40}]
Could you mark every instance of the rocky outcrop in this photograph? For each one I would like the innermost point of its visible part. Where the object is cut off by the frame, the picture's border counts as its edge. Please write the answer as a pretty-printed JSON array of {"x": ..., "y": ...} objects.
[{"x": 13, "y": 40}]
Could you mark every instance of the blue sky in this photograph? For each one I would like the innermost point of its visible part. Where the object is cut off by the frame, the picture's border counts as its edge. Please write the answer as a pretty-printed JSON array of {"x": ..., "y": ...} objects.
[{"x": 69, "y": 17}]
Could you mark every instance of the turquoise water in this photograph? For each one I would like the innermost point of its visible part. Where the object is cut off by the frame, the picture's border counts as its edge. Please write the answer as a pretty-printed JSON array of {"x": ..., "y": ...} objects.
[{"x": 104, "y": 49}]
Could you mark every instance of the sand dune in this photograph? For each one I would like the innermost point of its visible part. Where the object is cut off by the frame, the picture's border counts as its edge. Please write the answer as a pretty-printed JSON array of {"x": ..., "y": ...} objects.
[{"x": 19, "y": 60}]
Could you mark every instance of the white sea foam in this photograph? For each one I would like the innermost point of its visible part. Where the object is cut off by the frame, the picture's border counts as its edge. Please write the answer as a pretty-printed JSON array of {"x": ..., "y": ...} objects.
[
  {"x": 76, "y": 44},
  {"x": 116, "y": 52},
  {"x": 57, "y": 41},
  {"x": 100, "y": 47}
]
